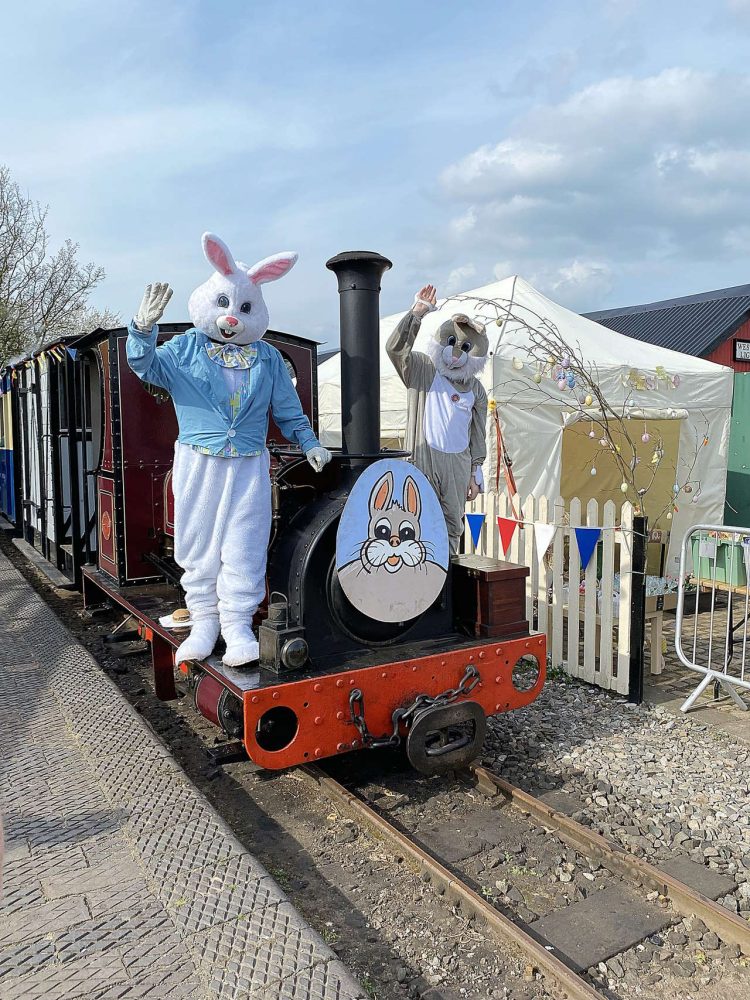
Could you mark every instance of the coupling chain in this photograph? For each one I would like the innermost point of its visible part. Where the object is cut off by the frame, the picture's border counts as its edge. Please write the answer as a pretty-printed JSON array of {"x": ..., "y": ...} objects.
[{"x": 402, "y": 716}]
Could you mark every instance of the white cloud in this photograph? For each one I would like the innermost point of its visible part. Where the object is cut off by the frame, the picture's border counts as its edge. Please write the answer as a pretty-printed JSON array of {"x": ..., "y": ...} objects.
[
  {"x": 624, "y": 173},
  {"x": 459, "y": 279}
]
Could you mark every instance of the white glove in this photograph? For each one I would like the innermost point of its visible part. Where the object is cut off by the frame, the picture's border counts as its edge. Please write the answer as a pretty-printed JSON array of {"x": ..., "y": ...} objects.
[
  {"x": 318, "y": 457},
  {"x": 152, "y": 306}
]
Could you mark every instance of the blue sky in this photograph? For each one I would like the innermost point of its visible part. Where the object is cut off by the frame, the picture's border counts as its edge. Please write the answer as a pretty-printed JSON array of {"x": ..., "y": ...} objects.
[{"x": 600, "y": 149}]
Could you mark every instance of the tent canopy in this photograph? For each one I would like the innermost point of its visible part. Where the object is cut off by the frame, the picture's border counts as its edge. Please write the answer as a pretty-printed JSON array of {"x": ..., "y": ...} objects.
[{"x": 648, "y": 381}]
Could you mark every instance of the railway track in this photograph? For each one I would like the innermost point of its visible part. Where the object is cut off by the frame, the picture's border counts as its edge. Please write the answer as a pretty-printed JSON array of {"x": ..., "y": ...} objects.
[{"x": 561, "y": 977}]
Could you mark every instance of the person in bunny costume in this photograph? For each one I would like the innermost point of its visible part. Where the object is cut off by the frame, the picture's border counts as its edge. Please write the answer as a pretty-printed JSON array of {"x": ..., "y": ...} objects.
[
  {"x": 224, "y": 380},
  {"x": 446, "y": 405}
]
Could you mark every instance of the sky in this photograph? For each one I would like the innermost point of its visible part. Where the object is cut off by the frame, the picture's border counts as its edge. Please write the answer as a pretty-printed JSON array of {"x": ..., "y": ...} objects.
[{"x": 598, "y": 148}]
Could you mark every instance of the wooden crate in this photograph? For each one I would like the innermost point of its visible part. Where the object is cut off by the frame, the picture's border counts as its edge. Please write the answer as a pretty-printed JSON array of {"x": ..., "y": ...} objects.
[{"x": 489, "y": 596}]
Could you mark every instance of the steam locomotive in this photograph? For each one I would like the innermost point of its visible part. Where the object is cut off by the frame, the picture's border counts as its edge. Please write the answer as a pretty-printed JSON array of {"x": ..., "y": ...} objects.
[{"x": 330, "y": 678}]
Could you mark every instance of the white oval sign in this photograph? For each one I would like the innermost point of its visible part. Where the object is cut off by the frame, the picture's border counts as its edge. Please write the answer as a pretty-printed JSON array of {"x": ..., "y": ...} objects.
[{"x": 392, "y": 543}]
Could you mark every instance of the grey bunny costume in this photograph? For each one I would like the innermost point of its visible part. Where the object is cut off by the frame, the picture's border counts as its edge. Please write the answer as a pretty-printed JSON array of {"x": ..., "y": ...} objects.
[{"x": 445, "y": 424}]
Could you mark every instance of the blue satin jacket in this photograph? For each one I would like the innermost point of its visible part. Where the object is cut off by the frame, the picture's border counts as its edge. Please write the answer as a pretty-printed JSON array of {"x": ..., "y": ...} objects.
[{"x": 200, "y": 396}]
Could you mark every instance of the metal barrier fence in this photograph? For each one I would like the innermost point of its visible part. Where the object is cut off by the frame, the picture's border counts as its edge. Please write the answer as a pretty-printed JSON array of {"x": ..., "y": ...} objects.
[{"x": 713, "y": 604}]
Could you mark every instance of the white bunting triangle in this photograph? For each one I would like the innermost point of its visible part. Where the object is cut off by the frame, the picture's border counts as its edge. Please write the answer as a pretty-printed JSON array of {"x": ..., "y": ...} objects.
[{"x": 543, "y": 533}]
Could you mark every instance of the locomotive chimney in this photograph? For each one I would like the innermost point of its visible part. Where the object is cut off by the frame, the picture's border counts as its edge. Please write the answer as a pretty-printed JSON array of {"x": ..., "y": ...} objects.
[{"x": 359, "y": 273}]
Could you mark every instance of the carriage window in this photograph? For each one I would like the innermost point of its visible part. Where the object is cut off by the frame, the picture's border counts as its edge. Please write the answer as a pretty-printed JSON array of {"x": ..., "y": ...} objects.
[
  {"x": 290, "y": 368},
  {"x": 94, "y": 414},
  {"x": 62, "y": 396}
]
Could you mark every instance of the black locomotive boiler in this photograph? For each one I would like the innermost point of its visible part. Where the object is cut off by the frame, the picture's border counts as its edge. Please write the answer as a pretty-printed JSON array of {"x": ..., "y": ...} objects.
[{"x": 330, "y": 679}]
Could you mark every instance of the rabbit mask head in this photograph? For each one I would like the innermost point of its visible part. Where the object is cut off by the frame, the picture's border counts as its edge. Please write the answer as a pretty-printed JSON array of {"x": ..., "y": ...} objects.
[
  {"x": 229, "y": 307},
  {"x": 459, "y": 348}
]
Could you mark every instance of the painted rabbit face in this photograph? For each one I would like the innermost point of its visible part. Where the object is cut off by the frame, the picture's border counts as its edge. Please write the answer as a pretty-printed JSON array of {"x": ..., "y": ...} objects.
[
  {"x": 394, "y": 530},
  {"x": 229, "y": 307}
]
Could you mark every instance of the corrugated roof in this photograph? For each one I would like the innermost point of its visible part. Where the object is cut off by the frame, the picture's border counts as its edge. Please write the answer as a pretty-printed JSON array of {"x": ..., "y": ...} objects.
[{"x": 693, "y": 324}]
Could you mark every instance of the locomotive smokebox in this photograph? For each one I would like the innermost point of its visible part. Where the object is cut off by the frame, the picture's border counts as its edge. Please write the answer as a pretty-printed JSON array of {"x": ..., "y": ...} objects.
[{"x": 359, "y": 273}]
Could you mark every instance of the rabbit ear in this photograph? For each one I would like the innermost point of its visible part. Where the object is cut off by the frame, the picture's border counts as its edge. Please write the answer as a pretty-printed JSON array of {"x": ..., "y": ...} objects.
[
  {"x": 382, "y": 492},
  {"x": 271, "y": 268},
  {"x": 217, "y": 254},
  {"x": 412, "y": 499}
]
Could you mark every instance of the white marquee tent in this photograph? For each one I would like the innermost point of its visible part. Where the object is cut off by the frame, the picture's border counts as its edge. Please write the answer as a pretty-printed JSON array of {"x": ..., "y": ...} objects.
[{"x": 652, "y": 384}]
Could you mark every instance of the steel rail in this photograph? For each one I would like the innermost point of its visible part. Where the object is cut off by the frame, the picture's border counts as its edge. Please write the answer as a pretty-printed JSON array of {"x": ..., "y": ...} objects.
[
  {"x": 617, "y": 860},
  {"x": 569, "y": 984}
]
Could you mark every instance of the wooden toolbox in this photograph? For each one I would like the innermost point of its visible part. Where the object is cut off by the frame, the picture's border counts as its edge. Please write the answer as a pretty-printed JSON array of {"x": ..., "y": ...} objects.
[{"x": 489, "y": 596}]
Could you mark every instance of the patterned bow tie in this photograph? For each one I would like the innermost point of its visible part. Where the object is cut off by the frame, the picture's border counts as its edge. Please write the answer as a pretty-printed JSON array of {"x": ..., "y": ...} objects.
[{"x": 232, "y": 355}]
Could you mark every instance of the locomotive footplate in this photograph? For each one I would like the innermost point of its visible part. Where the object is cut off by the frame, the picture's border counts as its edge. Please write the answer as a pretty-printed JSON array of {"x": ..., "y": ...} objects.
[
  {"x": 305, "y": 716},
  {"x": 298, "y": 721}
]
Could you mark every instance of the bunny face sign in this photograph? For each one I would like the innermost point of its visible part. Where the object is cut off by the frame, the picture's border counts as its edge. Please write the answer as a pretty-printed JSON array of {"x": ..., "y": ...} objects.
[
  {"x": 392, "y": 543},
  {"x": 229, "y": 307}
]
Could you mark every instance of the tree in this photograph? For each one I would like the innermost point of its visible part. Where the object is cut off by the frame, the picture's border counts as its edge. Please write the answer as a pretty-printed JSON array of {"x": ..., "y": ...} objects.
[
  {"x": 43, "y": 295},
  {"x": 554, "y": 366}
]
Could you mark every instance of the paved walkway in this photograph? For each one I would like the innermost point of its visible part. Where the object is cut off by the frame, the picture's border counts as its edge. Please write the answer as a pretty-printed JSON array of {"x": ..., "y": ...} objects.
[{"x": 120, "y": 879}]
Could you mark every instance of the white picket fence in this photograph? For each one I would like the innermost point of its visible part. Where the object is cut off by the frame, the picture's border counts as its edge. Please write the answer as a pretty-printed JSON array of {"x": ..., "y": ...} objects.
[{"x": 587, "y": 634}]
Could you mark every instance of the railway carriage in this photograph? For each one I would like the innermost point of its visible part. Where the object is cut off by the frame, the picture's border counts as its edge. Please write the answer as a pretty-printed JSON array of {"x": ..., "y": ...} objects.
[
  {"x": 8, "y": 447},
  {"x": 331, "y": 678},
  {"x": 46, "y": 490}
]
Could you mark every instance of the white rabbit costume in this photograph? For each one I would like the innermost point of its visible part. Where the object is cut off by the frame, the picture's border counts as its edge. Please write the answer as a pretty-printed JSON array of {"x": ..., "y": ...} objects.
[{"x": 223, "y": 380}]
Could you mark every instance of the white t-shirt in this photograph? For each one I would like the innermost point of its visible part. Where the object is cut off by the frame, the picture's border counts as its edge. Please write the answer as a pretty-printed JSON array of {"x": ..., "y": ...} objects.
[{"x": 447, "y": 416}]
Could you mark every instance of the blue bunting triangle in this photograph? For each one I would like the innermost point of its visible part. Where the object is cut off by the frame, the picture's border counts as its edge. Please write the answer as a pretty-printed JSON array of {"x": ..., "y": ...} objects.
[
  {"x": 475, "y": 526},
  {"x": 587, "y": 539},
  {"x": 72, "y": 352}
]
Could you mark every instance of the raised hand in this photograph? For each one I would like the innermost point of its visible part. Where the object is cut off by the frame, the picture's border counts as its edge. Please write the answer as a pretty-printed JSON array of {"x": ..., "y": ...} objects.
[
  {"x": 424, "y": 300},
  {"x": 152, "y": 306}
]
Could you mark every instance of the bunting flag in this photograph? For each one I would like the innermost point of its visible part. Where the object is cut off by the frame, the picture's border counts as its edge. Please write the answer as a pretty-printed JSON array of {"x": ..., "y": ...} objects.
[
  {"x": 587, "y": 539},
  {"x": 72, "y": 352},
  {"x": 506, "y": 526},
  {"x": 544, "y": 533},
  {"x": 475, "y": 526}
]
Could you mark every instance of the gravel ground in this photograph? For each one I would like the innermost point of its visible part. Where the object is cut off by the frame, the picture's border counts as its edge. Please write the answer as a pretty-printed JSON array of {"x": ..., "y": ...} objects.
[
  {"x": 688, "y": 792},
  {"x": 661, "y": 786}
]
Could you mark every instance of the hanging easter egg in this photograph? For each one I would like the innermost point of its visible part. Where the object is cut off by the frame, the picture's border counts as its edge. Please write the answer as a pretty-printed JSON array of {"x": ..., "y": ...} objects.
[
  {"x": 676, "y": 488},
  {"x": 571, "y": 380},
  {"x": 617, "y": 448},
  {"x": 593, "y": 470},
  {"x": 517, "y": 364},
  {"x": 592, "y": 434},
  {"x": 705, "y": 441},
  {"x": 669, "y": 516},
  {"x": 676, "y": 381},
  {"x": 537, "y": 378},
  {"x": 588, "y": 400},
  {"x": 603, "y": 442},
  {"x": 645, "y": 437},
  {"x": 561, "y": 384},
  {"x": 565, "y": 361},
  {"x": 623, "y": 487},
  {"x": 499, "y": 321},
  {"x": 688, "y": 488}
]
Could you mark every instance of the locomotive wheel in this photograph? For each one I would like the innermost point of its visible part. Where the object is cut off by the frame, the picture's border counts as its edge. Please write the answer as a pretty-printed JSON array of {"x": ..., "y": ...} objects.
[{"x": 446, "y": 738}]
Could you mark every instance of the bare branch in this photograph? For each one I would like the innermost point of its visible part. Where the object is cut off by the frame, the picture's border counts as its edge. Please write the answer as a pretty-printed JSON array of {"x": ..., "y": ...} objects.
[{"x": 43, "y": 295}]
